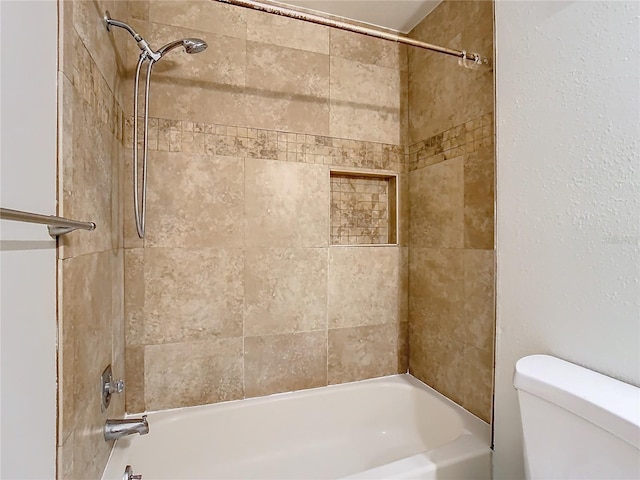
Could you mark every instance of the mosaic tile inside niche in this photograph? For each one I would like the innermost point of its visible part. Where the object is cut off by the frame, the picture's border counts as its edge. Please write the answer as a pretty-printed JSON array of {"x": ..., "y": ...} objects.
[
  {"x": 226, "y": 140},
  {"x": 359, "y": 210},
  {"x": 457, "y": 141}
]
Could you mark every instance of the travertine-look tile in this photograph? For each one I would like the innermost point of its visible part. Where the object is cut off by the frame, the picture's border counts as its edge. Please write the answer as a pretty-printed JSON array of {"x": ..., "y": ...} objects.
[
  {"x": 86, "y": 348},
  {"x": 64, "y": 459},
  {"x": 285, "y": 290},
  {"x": 364, "y": 122},
  {"x": 118, "y": 189},
  {"x": 364, "y": 85},
  {"x": 287, "y": 32},
  {"x": 194, "y": 102},
  {"x": 477, "y": 381},
  {"x": 435, "y": 81},
  {"x": 403, "y": 347},
  {"x": 193, "y": 373},
  {"x": 118, "y": 327},
  {"x": 286, "y": 205},
  {"x": 89, "y": 168},
  {"x": 402, "y": 208},
  {"x": 419, "y": 367},
  {"x": 363, "y": 286},
  {"x": 404, "y": 95},
  {"x": 478, "y": 31},
  {"x": 286, "y": 111},
  {"x": 436, "y": 298},
  {"x": 213, "y": 17},
  {"x": 361, "y": 48},
  {"x": 403, "y": 285},
  {"x": 209, "y": 286},
  {"x": 437, "y": 205},
  {"x": 139, "y": 9},
  {"x": 365, "y": 101},
  {"x": 479, "y": 181},
  {"x": 134, "y": 379},
  {"x": 437, "y": 361},
  {"x": 461, "y": 372},
  {"x": 90, "y": 269},
  {"x": 282, "y": 363},
  {"x": 66, "y": 40},
  {"x": 479, "y": 299},
  {"x": 362, "y": 352},
  {"x": 222, "y": 63},
  {"x": 66, "y": 143},
  {"x": 88, "y": 21},
  {"x": 184, "y": 136},
  {"x": 134, "y": 295},
  {"x": 194, "y": 200},
  {"x": 273, "y": 69}
]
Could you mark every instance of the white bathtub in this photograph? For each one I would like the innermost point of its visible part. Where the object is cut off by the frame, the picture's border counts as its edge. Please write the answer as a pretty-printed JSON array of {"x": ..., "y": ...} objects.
[{"x": 391, "y": 427}]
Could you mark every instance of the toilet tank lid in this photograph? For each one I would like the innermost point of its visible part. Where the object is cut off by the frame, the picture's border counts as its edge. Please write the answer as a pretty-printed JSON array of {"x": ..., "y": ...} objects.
[{"x": 604, "y": 401}]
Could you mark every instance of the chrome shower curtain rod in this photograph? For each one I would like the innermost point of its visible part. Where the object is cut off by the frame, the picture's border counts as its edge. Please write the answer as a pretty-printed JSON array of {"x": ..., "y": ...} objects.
[{"x": 467, "y": 59}]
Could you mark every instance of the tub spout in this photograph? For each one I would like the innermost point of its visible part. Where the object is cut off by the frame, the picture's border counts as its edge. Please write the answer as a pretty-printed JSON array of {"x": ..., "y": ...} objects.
[{"x": 114, "y": 429}]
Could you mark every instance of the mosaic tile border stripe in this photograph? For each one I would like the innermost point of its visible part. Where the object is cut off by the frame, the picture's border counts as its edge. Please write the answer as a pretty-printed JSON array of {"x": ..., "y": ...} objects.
[
  {"x": 457, "y": 141},
  {"x": 211, "y": 139},
  {"x": 227, "y": 140}
]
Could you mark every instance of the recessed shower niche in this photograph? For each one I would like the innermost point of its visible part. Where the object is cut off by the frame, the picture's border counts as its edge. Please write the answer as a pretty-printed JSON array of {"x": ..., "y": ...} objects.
[{"x": 363, "y": 208}]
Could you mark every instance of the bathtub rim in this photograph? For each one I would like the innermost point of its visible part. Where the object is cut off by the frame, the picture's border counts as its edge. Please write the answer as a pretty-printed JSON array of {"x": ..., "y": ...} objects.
[{"x": 470, "y": 422}]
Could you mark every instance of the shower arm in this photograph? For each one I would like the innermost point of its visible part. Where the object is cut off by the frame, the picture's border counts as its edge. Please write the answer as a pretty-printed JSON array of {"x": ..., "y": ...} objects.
[{"x": 142, "y": 43}]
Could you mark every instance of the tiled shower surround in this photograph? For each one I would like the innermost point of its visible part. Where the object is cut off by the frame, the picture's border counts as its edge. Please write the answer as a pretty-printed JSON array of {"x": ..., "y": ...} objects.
[
  {"x": 451, "y": 195},
  {"x": 236, "y": 291},
  {"x": 244, "y": 284},
  {"x": 90, "y": 264}
]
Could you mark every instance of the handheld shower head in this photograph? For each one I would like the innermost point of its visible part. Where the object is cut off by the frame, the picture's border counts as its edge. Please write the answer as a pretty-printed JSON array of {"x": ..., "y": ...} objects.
[
  {"x": 194, "y": 45},
  {"x": 191, "y": 46}
]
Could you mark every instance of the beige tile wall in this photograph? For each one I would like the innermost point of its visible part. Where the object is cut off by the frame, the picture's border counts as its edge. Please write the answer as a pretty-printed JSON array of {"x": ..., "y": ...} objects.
[
  {"x": 235, "y": 291},
  {"x": 270, "y": 72},
  {"x": 451, "y": 196},
  {"x": 291, "y": 311},
  {"x": 90, "y": 264},
  {"x": 443, "y": 95}
]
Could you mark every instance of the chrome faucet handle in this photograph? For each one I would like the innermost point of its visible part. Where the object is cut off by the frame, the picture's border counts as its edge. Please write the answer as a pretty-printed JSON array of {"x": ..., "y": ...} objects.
[
  {"x": 128, "y": 474},
  {"x": 109, "y": 387},
  {"x": 116, "y": 386}
]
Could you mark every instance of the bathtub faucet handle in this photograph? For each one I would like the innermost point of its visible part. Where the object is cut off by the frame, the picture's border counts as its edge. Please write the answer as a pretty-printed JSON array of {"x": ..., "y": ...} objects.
[
  {"x": 116, "y": 386},
  {"x": 128, "y": 474}
]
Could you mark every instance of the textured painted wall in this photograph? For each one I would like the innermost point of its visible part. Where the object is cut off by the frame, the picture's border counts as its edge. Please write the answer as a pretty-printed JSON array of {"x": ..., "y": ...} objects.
[
  {"x": 235, "y": 292},
  {"x": 568, "y": 241},
  {"x": 451, "y": 196},
  {"x": 90, "y": 264},
  {"x": 28, "y": 328}
]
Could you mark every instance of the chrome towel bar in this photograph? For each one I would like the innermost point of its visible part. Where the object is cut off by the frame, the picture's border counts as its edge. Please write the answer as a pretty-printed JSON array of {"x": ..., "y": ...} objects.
[{"x": 56, "y": 225}]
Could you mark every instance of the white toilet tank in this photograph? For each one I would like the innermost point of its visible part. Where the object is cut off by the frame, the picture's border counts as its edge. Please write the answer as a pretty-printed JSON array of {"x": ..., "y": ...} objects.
[{"x": 577, "y": 424}]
